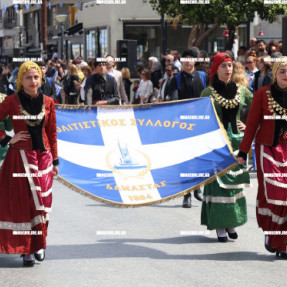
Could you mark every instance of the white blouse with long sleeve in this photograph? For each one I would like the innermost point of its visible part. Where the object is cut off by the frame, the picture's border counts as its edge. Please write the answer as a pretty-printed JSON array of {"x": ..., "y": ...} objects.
[{"x": 145, "y": 89}]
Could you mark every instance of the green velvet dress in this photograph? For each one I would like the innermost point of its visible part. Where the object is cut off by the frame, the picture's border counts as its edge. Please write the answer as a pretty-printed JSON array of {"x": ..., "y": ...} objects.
[{"x": 224, "y": 204}]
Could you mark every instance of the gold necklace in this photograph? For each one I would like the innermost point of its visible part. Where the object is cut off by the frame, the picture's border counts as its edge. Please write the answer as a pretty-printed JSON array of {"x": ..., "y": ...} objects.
[
  {"x": 275, "y": 107},
  {"x": 227, "y": 103}
]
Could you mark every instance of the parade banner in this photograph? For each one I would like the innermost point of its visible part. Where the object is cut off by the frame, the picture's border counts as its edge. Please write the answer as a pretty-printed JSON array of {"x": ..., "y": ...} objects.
[{"x": 143, "y": 154}]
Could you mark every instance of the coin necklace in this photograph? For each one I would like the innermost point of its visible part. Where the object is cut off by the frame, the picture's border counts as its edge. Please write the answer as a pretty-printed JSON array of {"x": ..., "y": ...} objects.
[
  {"x": 227, "y": 103},
  {"x": 275, "y": 107}
]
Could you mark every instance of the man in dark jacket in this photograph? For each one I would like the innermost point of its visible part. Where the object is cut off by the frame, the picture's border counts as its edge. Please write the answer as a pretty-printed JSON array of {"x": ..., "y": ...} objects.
[
  {"x": 267, "y": 79},
  {"x": 190, "y": 86},
  {"x": 164, "y": 92},
  {"x": 156, "y": 74},
  {"x": 101, "y": 88},
  {"x": 48, "y": 86}
]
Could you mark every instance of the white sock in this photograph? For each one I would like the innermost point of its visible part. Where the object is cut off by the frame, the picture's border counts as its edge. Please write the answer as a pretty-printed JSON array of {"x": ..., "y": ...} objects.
[
  {"x": 231, "y": 230},
  {"x": 29, "y": 257},
  {"x": 266, "y": 239},
  {"x": 221, "y": 232}
]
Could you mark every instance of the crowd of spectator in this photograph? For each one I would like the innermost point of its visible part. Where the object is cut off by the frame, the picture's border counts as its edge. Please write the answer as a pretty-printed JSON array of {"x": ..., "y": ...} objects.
[{"x": 99, "y": 82}]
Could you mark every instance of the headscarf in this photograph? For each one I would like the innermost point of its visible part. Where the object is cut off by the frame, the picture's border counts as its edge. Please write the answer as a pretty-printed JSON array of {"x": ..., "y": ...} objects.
[
  {"x": 26, "y": 66},
  {"x": 282, "y": 61},
  {"x": 216, "y": 62}
]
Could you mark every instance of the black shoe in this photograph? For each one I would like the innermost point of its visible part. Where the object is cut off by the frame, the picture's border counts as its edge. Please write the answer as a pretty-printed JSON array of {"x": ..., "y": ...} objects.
[
  {"x": 186, "y": 201},
  {"x": 221, "y": 239},
  {"x": 27, "y": 263},
  {"x": 269, "y": 248},
  {"x": 40, "y": 256},
  {"x": 280, "y": 254},
  {"x": 232, "y": 235},
  {"x": 197, "y": 194}
]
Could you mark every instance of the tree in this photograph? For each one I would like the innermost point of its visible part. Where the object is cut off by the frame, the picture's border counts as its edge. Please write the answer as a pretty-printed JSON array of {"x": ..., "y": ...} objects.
[{"x": 205, "y": 18}]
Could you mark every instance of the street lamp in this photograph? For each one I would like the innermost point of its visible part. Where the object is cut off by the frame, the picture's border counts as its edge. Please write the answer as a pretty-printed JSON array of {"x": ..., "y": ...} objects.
[{"x": 61, "y": 19}]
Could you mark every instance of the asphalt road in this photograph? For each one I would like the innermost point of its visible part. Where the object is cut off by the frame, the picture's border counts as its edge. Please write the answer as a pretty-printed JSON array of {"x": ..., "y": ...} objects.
[{"x": 91, "y": 244}]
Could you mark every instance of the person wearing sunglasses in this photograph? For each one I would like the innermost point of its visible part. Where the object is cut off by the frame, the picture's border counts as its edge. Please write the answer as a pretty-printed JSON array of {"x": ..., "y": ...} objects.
[
  {"x": 101, "y": 88},
  {"x": 251, "y": 69},
  {"x": 169, "y": 59},
  {"x": 263, "y": 77},
  {"x": 145, "y": 88},
  {"x": 164, "y": 92}
]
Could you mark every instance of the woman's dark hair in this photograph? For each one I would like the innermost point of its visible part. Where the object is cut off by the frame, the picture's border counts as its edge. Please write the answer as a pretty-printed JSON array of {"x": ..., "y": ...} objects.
[{"x": 146, "y": 72}]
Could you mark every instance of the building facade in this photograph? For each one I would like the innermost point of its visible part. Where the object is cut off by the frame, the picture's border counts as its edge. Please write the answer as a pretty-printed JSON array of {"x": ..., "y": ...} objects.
[
  {"x": 32, "y": 24},
  {"x": 93, "y": 29},
  {"x": 10, "y": 20},
  {"x": 104, "y": 25}
]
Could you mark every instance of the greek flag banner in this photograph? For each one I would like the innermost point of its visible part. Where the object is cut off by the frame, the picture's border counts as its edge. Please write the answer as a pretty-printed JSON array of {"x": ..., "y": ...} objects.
[
  {"x": 142, "y": 154},
  {"x": 58, "y": 89}
]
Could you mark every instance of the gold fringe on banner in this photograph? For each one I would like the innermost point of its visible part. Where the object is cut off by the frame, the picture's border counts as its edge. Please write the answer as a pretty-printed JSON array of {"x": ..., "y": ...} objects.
[
  {"x": 116, "y": 107},
  {"x": 124, "y": 205}
]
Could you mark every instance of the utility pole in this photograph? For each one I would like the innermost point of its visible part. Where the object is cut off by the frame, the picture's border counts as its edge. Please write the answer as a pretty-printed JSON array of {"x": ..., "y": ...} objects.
[
  {"x": 164, "y": 34},
  {"x": 44, "y": 24}
]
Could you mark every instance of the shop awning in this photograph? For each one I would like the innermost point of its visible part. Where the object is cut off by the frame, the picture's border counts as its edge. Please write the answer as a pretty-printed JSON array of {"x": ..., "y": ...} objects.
[{"x": 74, "y": 29}]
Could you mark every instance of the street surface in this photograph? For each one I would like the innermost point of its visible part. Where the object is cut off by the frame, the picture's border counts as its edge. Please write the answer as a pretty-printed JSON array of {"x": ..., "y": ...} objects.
[{"x": 148, "y": 247}]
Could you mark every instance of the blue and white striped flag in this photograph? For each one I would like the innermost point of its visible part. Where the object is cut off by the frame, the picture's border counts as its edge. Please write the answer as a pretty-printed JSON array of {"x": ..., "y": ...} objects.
[
  {"x": 58, "y": 89},
  {"x": 141, "y": 155}
]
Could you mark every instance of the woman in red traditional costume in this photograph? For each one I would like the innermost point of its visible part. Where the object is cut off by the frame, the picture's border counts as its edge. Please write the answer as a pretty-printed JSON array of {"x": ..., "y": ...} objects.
[
  {"x": 267, "y": 122},
  {"x": 27, "y": 172}
]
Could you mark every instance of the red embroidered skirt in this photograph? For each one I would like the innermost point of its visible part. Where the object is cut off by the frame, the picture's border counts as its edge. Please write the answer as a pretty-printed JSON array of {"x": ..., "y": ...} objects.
[
  {"x": 271, "y": 207},
  {"x": 26, "y": 179}
]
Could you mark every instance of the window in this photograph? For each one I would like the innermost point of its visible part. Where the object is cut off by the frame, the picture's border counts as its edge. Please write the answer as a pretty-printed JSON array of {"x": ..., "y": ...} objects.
[
  {"x": 76, "y": 50},
  {"x": 96, "y": 43},
  {"x": 148, "y": 36},
  {"x": 103, "y": 41},
  {"x": 91, "y": 44}
]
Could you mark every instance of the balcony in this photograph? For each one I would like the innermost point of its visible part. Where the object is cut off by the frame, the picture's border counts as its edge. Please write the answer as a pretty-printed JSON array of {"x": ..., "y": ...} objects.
[{"x": 9, "y": 23}]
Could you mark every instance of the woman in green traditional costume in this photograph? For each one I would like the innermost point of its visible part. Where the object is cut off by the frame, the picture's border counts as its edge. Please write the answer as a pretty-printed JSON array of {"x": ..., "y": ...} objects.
[
  {"x": 224, "y": 204},
  {"x": 5, "y": 125}
]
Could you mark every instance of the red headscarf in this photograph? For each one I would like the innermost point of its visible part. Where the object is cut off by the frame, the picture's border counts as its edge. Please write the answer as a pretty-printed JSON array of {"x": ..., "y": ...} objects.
[{"x": 217, "y": 61}]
